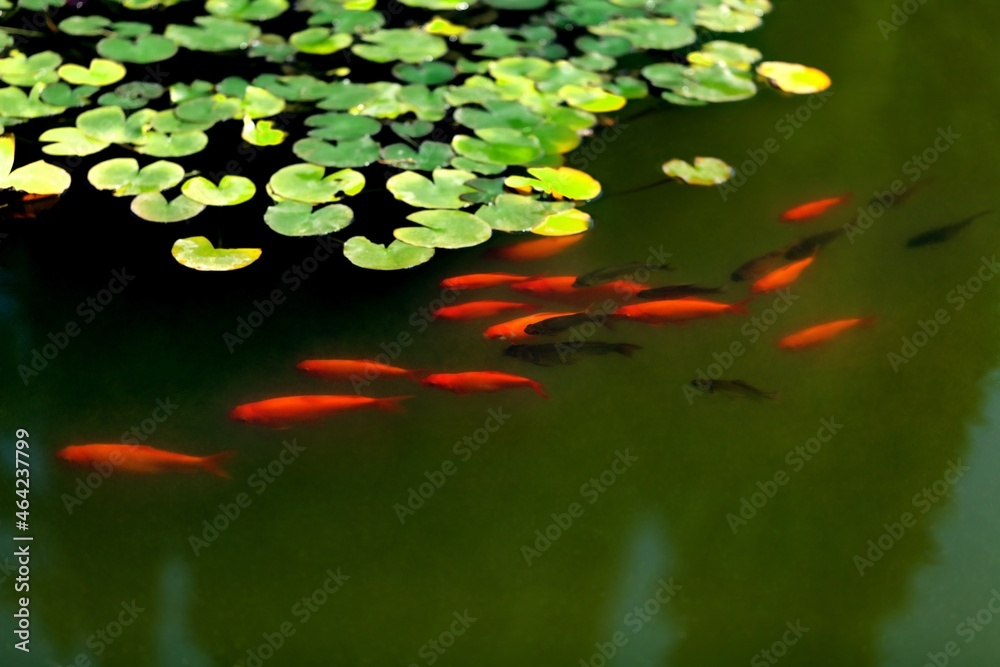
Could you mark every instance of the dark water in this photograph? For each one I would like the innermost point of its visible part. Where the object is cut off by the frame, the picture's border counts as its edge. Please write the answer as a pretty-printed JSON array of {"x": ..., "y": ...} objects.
[{"x": 646, "y": 484}]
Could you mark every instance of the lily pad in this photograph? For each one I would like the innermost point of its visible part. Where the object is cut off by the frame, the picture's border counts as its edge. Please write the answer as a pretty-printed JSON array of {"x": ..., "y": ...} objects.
[
  {"x": 444, "y": 191},
  {"x": 726, "y": 18},
  {"x": 100, "y": 73},
  {"x": 408, "y": 45},
  {"x": 591, "y": 98},
  {"x": 319, "y": 41},
  {"x": 37, "y": 178},
  {"x": 199, "y": 254},
  {"x": 665, "y": 34},
  {"x": 565, "y": 223},
  {"x": 398, "y": 255},
  {"x": 62, "y": 95},
  {"x": 444, "y": 229},
  {"x": 413, "y": 129},
  {"x": 20, "y": 70},
  {"x": 177, "y": 144},
  {"x": 213, "y": 34},
  {"x": 153, "y": 206},
  {"x": 705, "y": 171},
  {"x": 432, "y": 73},
  {"x": 519, "y": 213},
  {"x": 132, "y": 95},
  {"x": 15, "y": 103},
  {"x": 85, "y": 26},
  {"x": 793, "y": 78},
  {"x": 70, "y": 141},
  {"x": 308, "y": 183},
  {"x": 562, "y": 182},
  {"x": 432, "y": 155},
  {"x": 338, "y": 126},
  {"x": 261, "y": 133},
  {"x": 292, "y": 218},
  {"x": 123, "y": 176},
  {"x": 143, "y": 50},
  {"x": 350, "y": 153},
  {"x": 247, "y": 10},
  {"x": 499, "y": 145},
  {"x": 230, "y": 191}
]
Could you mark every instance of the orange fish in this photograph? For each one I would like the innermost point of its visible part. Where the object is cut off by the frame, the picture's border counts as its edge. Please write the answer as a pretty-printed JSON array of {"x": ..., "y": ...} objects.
[
  {"x": 537, "y": 249},
  {"x": 678, "y": 310},
  {"x": 560, "y": 288},
  {"x": 514, "y": 329},
  {"x": 813, "y": 208},
  {"x": 143, "y": 459},
  {"x": 476, "y": 309},
  {"x": 782, "y": 277},
  {"x": 480, "y": 381},
  {"x": 482, "y": 280},
  {"x": 820, "y": 333},
  {"x": 288, "y": 411},
  {"x": 353, "y": 369}
]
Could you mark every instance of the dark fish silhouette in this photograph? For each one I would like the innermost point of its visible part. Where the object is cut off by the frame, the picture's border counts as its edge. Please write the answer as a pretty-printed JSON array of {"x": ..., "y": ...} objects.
[
  {"x": 811, "y": 244},
  {"x": 942, "y": 234},
  {"x": 758, "y": 266},
  {"x": 551, "y": 354},
  {"x": 678, "y": 291},
  {"x": 561, "y": 323},
  {"x": 738, "y": 387},
  {"x": 612, "y": 273}
]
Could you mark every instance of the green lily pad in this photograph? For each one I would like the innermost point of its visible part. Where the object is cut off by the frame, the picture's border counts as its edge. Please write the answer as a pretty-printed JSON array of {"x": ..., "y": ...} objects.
[
  {"x": 262, "y": 133},
  {"x": 208, "y": 109},
  {"x": 563, "y": 181},
  {"x": 272, "y": 48},
  {"x": 85, "y": 26},
  {"x": 431, "y": 73},
  {"x": 705, "y": 171},
  {"x": 232, "y": 190},
  {"x": 70, "y": 141},
  {"x": 649, "y": 33},
  {"x": 123, "y": 176},
  {"x": 247, "y": 10},
  {"x": 794, "y": 78},
  {"x": 37, "y": 178},
  {"x": 339, "y": 126},
  {"x": 443, "y": 192},
  {"x": 20, "y": 70},
  {"x": 293, "y": 218},
  {"x": 444, "y": 229},
  {"x": 213, "y": 34},
  {"x": 350, "y": 153},
  {"x": 308, "y": 183},
  {"x": 131, "y": 29},
  {"x": 260, "y": 103},
  {"x": 518, "y": 213},
  {"x": 499, "y": 145},
  {"x": 153, "y": 206},
  {"x": 432, "y": 155},
  {"x": 132, "y": 95},
  {"x": 182, "y": 92},
  {"x": 591, "y": 98},
  {"x": 413, "y": 129},
  {"x": 344, "y": 95},
  {"x": 731, "y": 54},
  {"x": 143, "y": 50},
  {"x": 62, "y": 95},
  {"x": 564, "y": 223},
  {"x": 319, "y": 41},
  {"x": 177, "y": 144},
  {"x": 716, "y": 83},
  {"x": 100, "y": 73},
  {"x": 297, "y": 88},
  {"x": 15, "y": 103},
  {"x": 408, "y": 45},
  {"x": 725, "y": 18},
  {"x": 398, "y": 255},
  {"x": 199, "y": 254},
  {"x": 106, "y": 124}
]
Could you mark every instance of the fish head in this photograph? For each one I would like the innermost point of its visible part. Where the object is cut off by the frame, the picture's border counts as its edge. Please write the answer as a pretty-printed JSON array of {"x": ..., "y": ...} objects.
[
  {"x": 241, "y": 413},
  {"x": 702, "y": 384},
  {"x": 308, "y": 366},
  {"x": 70, "y": 454}
]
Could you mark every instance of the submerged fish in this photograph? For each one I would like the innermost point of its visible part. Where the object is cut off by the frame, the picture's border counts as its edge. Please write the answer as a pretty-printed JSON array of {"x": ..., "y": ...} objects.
[
  {"x": 813, "y": 208},
  {"x": 480, "y": 381},
  {"x": 942, "y": 234},
  {"x": 143, "y": 459},
  {"x": 782, "y": 277},
  {"x": 289, "y": 411},
  {"x": 610, "y": 273},
  {"x": 478, "y": 309},
  {"x": 758, "y": 266},
  {"x": 678, "y": 310},
  {"x": 537, "y": 249},
  {"x": 733, "y": 387},
  {"x": 482, "y": 280},
  {"x": 550, "y": 354},
  {"x": 820, "y": 333},
  {"x": 678, "y": 291},
  {"x": 516, "y": 329},
  {"x": 353, "y": 369},
  {"x": 560, "y": 288},
  {"x": 811, "y": 244},
  {"x": 560, "y": 323}
]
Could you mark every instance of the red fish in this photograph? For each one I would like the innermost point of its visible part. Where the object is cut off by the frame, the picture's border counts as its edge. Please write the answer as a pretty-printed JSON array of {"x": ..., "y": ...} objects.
[
  {"x": 480, "y": 381},
  {"x": 782, "y": 277},
  {"x": 560, "y": 288},
  {"x": 477, "y": 309},
  {"x": 514, "y": 329},
  {"x": 143, "y": 459},
  {"x": 353, "y": 369},
  {"x": 536, "y": 249},
  {"x": 820, "y": 333},
  {"x": 813, "y": 208},
  {"x": 678, "y": 310},
  {"x": 289, "y": 411},
  {"x": 482, "y": 280}
]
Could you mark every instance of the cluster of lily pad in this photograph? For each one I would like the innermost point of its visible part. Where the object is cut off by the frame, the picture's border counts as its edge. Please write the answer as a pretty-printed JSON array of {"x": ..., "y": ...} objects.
[{"x": 475, "y": 117}]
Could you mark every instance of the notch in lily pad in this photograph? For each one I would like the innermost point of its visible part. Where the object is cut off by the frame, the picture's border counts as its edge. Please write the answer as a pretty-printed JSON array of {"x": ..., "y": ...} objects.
[
  {"x": 444, "y": 229},
  {"x": 230, "y": 191},
  {"x": 198, "y": 253},
  {"x": 294, "y": 218},
  {"x": 154, "y": 207},
  {"x": 397, "y": 255},
  {"x": 37, "y": 178}
]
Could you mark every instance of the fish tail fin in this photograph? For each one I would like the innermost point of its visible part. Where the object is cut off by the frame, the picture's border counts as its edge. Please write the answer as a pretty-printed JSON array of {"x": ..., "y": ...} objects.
[
  {"x": 392, "y": 403},
  {"x": 626, "y": 349},
  {"x": 539, "y": 389},
  {"x": 740, "y": 307},
  {"x": 214, "y": 463}
]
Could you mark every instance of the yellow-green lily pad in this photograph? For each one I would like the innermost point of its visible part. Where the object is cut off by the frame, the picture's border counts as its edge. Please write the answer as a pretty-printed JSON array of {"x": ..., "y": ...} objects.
[
  {"x": 705, "y": 171},
  {"x": 123, "y": 176},
  {"x": 444, "y": 191},
  {"x": 794, "y": 78},
  {"x": 101, "y": 72},
  {"x": 444, "y": 229},
  {"x": 293, "y": 218},
  {"x": 199, "y": 254},
  {"x": 230, "y": 191},
  {"x": 308, "y": 183},
  {"x": 398, "y": 255},
  {"x": 565, "y": 223},
  {"x": 153, "y": 206}
]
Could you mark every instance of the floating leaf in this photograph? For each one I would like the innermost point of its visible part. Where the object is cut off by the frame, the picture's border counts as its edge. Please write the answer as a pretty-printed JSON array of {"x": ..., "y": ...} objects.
[
  {"x": 793, "y": 78},
  {"x": 398, "y": 255},
  {"x": 319, "y": 41},
  {"x": 15, "y": 103},
  {"x": 38, "y": 178},
  {"x": 84, "y": 26},
  {"x": 350, "y": 153},
  {"x": 565, "y": 223},
  {"x": 293, "y": 218},
  {"x": 101, "y": 72},
  {"x": 124, "y": 176},
  {"x": 413, "y": 129},
  {"x": 61, "y": 95},
  {"x": 444, "y": 229},
  {"x": 199, "y": 254},
  {"x": 70, "y": 141},
  {"x": 562, "y": 181},
  {"x": 499, "y": 145},
  {"x": 431, "y": 74},
  {"x": 649, "y": 33},
  {"x": 208, "y": 109},
  {"x": 213, "y": 34},
  {"x": 261, "y": 133},
  {"x": 706, "y": 171},
  {"x": 153, "y": 206},
  {"x": 177, "y": 144},
  {"x": 409, "y": 45},
  {"x": 307, "y": 183},
  {"x": 232, "y": 190},
  {"x": 143, "y": 50},
  {"x": 432, "y": 155},
  {"x": 260, "y": 103},
  {"x": 518, "y": 213},
  {"x": 247, "y": 10},
  {"x": 106, "y": 124},
  {"x": 443, "y": 192},
  {"x": 726, "y": 18},
  {"x": 591, "y": 98},
  {"x": 717, "y": 83},
  {"x": 342, "y": 126},
  {"x": 20, "y": 70},
  {"x": 728, "y": 53},
  {"x": 132, "y": 95}
]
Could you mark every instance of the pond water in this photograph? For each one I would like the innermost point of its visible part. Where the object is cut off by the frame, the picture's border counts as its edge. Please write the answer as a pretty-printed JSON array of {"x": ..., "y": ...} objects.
[{"x": 623, "y": 520}]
